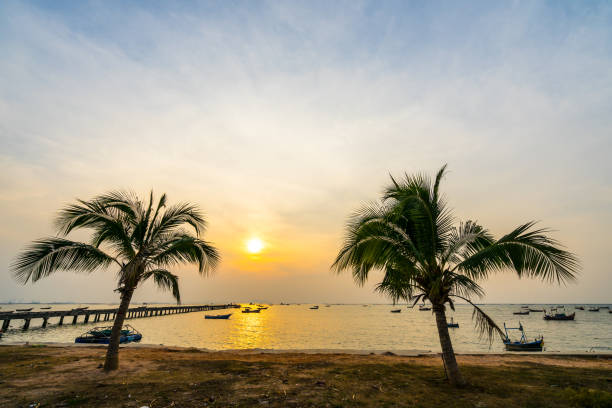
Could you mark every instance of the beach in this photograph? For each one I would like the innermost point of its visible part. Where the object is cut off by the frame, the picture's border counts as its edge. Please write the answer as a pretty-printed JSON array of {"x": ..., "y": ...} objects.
[{"x": 46, "y": 375}]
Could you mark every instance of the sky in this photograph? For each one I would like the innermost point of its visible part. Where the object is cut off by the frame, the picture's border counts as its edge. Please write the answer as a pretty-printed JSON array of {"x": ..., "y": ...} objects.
[{"x": 281, "y": 118}]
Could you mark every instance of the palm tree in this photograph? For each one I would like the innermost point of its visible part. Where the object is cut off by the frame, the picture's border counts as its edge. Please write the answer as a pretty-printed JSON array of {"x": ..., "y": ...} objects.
[
  {"x": 141, "y": 240},
  {"x": 411, "y": 236}
]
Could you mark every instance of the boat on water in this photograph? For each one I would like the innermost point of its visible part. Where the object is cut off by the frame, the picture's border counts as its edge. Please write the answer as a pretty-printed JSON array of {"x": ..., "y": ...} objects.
[
  {"x": 101, "y": 335},
  {"x": 536, "y": 310},
  {"x": 45, "y": 308},
  {"x": 521, "y": 312},
  {"x": 555, "y": 315},
  {"x": 78, "y": 309},
  {"x": 251, "y": 311},
  {"x": 452, "y": 324},
  {"x": 579, "y": 308},
  {"x": 223, "y": 316},
  {"x": 522, "y": 344},
  {"x": 314, "y": 308},
  {"x": 423, "y": 308},
  {"x": 604, "y": 307},
  {"x": 593, "y": 309},
  {"x": 24, "y": 310},
  {"x": 396, "y": 311}
]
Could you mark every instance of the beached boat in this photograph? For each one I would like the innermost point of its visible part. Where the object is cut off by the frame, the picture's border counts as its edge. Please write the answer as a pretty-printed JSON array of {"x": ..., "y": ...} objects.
[
  {"x": 452, "y": 324},
  {"x": 314, "y": 308},
  {"x": 101, "y": 335},
  {"x": 522, "y": 344},
  {"x": 554, "y": 315},
  {"x": 24, "y": 310},
  {"x": 396, "y": 311},
  {"x": 223, "y": 316},
  {"x": 593, "y": 309},
  {"x": 251, "y": 311},
  {"x": 521, "y": 312}
]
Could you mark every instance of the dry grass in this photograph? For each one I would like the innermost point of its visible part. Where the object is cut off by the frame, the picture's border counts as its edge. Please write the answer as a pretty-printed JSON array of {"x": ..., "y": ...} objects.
[{"x": 162, "y": 377}]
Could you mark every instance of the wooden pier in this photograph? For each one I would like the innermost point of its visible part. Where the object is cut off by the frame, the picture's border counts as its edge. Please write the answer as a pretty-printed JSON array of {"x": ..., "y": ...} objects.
[{"x": 98, "y": 315}]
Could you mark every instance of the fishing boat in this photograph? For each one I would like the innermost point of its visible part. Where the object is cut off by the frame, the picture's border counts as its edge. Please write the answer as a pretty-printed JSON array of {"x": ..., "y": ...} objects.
[
  {"x": 314, "y": 308},
  {"x": 101, "y": 335},
  {"x": 223, "y": 316},
  {"x": 396, "y": 311},
  {"x": 521, "y": 312},
  {"x": 452, "y": 324},
  {"x": 45, "y": 308},
  {"x": 24, "y": 310},
  {"x": 604, "y": 307},
  {"x": 554, "y": 315},
  {"x": 593, "y": 309},
  {"x": 536, "y": 310},
  {"x": 423, "y": 308},
  {"x": 579, "y": 308},
  {"x": 251, "y": 311},
  {"x": 522, "y": 344}
]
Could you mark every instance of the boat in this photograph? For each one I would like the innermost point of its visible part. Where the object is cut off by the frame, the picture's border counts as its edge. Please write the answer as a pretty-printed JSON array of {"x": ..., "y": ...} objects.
[
  {"x": 536, "y": 310},
  {"x": 314, "y": 308},
  {"x": 522, "y": 344},
  {"x": 593, "y": 309},
  {"x": 24, "y": 310},
  {"x": 101, "y": 335},
  {"x": 579, "y": 308},
  {"x": 79, "y": 309},
  {"x": 423, "y": 308},
  {"x": 558, "y": 316},
  {"x": 223, "y": 316},
  {"x": 251, "y": 311},
  {"x": 396, "y": 311},
  {"x": 45, "y": 308},
  {"x": 521, "y": 312},
  {"x": 452, "y": 324},
  {"x": 609, "y": 311},
  {"x": 604, "y": 307}
]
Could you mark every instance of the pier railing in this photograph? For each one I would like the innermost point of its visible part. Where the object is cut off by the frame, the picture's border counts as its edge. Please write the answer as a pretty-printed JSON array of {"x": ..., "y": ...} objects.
[{"x": 96, "y": 315}]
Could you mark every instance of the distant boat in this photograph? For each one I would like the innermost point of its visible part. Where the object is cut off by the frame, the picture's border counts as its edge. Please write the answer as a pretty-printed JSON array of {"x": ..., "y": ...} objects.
[
  {"x": 223, "y": 316},
  {"x": 396, "y": 311},
  {"x": 559, "y": 316},
  {"x": 522, "y": 344},
  {"x": 314, "y": 308},
  {"x": 101, "y": 335},
  {"x": 521, "y": 312},
  {"x": 251, "y": 311},
  {"x": 6, "y": 311},
  {"x": 423, "y": 308},
  {"x": 24, "y": 310},
  {"x": 452, "y": 324},
  {"x": 593, "y": 309},
  {"x": 579, "y": 308},
  {"x": 536, "y": 310},
  {"x": 45, "y": 308},
  {"x": 560, "y": 306},
  {"x": 80, "y": 308},
  {"x": 604, "y": 307}
]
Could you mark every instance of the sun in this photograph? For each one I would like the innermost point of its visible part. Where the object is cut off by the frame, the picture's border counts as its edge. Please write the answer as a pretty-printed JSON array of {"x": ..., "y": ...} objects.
[{"x": 254, "y": 245}]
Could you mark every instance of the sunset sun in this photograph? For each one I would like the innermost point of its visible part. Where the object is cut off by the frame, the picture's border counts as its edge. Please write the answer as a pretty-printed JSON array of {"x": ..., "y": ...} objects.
[{"x": 254, "y": 245}]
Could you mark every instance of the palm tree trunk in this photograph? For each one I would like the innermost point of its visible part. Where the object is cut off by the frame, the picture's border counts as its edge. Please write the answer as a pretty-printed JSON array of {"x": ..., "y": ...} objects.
[
  {"x": 448, "y": 355},
  {"x": 112, "y": 353}
]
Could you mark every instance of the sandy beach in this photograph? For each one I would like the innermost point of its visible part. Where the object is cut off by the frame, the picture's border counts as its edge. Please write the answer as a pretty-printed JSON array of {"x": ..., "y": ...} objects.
[{"x": 61, "y": 376}]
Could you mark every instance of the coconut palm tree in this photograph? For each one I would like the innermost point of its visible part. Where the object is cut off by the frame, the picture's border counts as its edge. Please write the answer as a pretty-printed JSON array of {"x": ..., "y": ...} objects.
[
  {"x": 141, "y": 240},
  {"x": 411, "y": 236}
]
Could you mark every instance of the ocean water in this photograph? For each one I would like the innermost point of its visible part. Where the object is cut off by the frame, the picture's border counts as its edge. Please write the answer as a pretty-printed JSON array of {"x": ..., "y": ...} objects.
[{"x": 360, "y": 327}]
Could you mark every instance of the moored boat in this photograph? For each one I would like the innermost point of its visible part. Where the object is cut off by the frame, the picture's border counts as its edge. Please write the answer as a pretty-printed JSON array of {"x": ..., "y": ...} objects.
[
  {"x": 251, "y": 310},
  {"x": 579, "y": 308},
  {"x": 223, "y": 316},
  {"x": 396, "y": 311},
  {"x": 536, "y": 310},
  {"x": 423, "y": 308},
  {"x": 314, "y": 308},
  {"x": 452, "y": 324},
  {"x": 554, "y": 315},
  {"x": 522, "y": 344},
  {"x": 593, "y": 309},
  {"x": 101, "y": 335},
  {"x": 521, "y": 312},
  {"x": 24, "y": 310},
  {"x": 45, "y": 308}
]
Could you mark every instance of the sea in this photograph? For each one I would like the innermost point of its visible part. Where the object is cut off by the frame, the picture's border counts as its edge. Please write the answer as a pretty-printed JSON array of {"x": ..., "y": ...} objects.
[{"x": 369, "y": 327}]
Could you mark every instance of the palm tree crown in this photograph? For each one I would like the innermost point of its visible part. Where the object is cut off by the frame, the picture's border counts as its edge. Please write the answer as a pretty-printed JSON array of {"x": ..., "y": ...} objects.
[{"x": 142, "y": 239}]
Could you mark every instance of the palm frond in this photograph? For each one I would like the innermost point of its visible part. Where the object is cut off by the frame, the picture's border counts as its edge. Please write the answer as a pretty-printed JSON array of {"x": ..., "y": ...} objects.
[
  {"x": 529, "y": 252},
  {"x": 165, "y": 280},
  {"x": 48, "y": 255},
  {"x": 485, "y": 325},
  {"x": 186, "y": 248}
]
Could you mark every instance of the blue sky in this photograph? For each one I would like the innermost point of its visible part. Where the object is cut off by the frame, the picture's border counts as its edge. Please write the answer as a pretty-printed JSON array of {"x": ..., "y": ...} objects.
[{"x": 280, "y": 118}]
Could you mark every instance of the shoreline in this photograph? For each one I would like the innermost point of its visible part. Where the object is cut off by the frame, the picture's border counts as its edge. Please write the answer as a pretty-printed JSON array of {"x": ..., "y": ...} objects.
[{"x": 357, "y": 352}]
